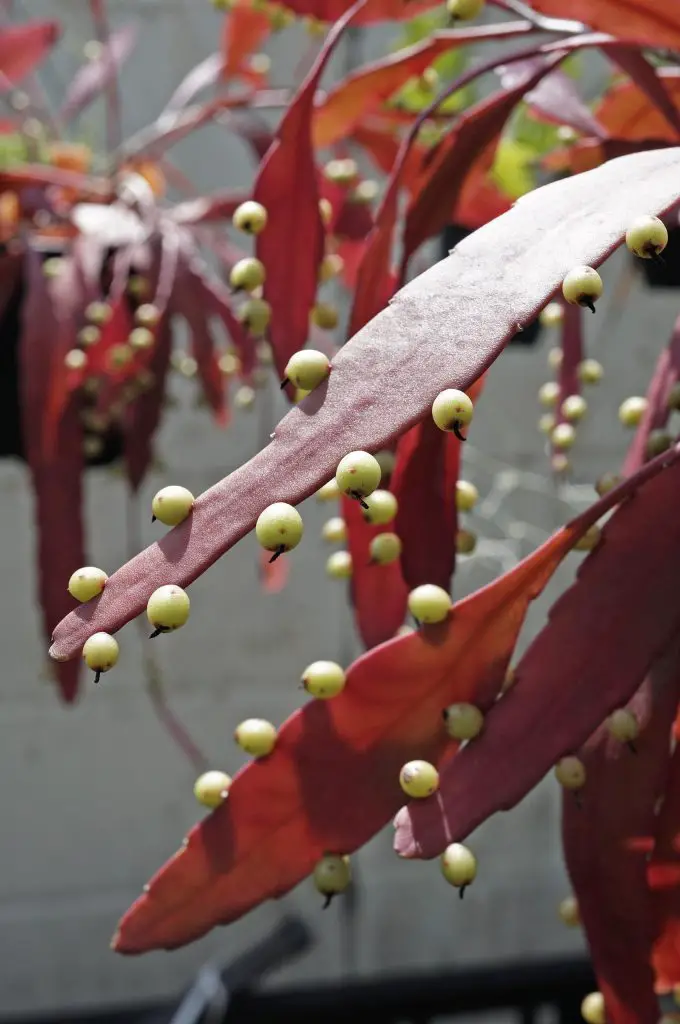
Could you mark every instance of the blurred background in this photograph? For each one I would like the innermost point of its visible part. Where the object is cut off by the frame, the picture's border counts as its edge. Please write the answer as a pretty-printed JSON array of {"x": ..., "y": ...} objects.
[{"x": 95, "y": 797}]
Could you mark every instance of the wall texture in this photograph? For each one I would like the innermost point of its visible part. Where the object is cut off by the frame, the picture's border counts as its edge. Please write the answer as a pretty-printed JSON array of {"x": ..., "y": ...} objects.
[{"x": 93, "y": 799}]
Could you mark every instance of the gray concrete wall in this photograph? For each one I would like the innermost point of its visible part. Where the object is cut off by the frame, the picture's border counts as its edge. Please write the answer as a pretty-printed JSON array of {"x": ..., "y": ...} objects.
[{"x": 94, "y": 799}]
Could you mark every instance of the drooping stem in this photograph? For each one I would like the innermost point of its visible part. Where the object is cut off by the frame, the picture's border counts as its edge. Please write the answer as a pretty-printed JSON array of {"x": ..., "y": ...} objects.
[
  {"x": 152, "y": 671},
  {"x": 114, "y": 131}
]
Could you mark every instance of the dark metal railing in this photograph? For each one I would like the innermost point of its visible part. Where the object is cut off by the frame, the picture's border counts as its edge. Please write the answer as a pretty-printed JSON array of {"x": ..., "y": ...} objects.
[{"x": 228, "y": 994}]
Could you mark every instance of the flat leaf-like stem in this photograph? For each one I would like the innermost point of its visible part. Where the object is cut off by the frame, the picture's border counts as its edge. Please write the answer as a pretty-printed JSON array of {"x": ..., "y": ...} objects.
[
  {"x": 602, "y": 636},
  {"x": 440, "y": 331}
]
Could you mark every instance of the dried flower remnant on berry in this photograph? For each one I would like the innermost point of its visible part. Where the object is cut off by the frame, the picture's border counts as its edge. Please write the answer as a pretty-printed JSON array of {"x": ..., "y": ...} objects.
[
  {"x": 458, "y": 866},
  {"x": 647, "y": 237},
  {"x": 168, "y": 609},
  {"x": 582, "y": 287},
  {"x": 358, "y": 475},
  {"x": 452, "y": 410},
  {"x": 279, "y": 528},
  {"x": 100, "y": 653}
]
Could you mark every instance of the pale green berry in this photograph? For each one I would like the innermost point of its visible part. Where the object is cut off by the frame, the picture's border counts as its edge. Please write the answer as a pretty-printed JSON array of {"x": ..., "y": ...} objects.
[
  {"x": 100, "y": 652},
  {"x": 256, "y": 736},
  {"x": 658, "y": 441},
  {"x": 325, "y": 211},
  {"x": 463, "y": 721},
  {"x": 429, "y": 603},
  {"x": 570, "y": 772},
  {"x": 387, "y": 461},
  {"x": 458, "y": 866},
  {"x": 632, "y": 410},
  {"x": 673, "y": 400},
  {"x": 464, "y": 10},
  {"x": 380, "y": 508},
  {"x": 147, "y": 315},
  {"x": 548, "y": 394},
  {"x": 171, "y": 505},
  {"x": 546, "y": 423},
  {"x": 323, "y": 679},
  {"x": 593, "y": 1009},
  {"x": 569, "y": 913},
  {"x": 467, "y": 496},
  {"x": 279, "y": 528},
  {"x": 339, "y": 565},
  {"x": 307, "y": 369},
  {"x": 358, "y": 475},
  {"x": 466, "y": 542},
  {"x": 582, "y": 287},
  {"x": 419, "y": 779},
  {"x": 332, "y": 875},
  {"x": 329, "y": 491},
  {"x": 590, "y": 539},
  {"x": 229, "y": 364},
  {"x": 560, "y": 464},
  {"x": 325, "y": 316},
  {"x": 331, "y": 265},
  {"x": 87, "y": 583},
  {"x": 75, "y": 359},
  {"x": 555, "y": 358},
  {"x": 341, "y": 172},
  {"x": 89, "y": 336},
  {"x": 590, "y": 371},
  {"x": 212, "y": 788},
  {"x": 623, "y": 726},
  {"x": 335, "y": 530},
  {"x": 574, "y": 408},
  {"x": 607, "y": 482},
  {"x": 647, "y": 237},
  {"x": 385, "y": 548},
  {"x": 52, "y": 267},
  {"x": 247, "y": 275},
  {"x": 563, "y": 436},
  {"x": 552, "y": 316},
  {"x": 250, "y": 217},
  {"x": 98, "y": 313},
  {"x": 451, "y": 410},
  {"x": 138, "y": 286},
  {"x": 367, "y": 190},
  {"x": 255, "y": 314},
  {"x": 244, "y": 397},
  {"x": 168, "y": 608},
  {"x": 141, "y": 339}
]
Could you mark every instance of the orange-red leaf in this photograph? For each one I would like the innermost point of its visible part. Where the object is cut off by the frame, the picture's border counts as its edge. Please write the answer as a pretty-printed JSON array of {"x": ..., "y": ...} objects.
[
  {"x": 627, "y": 112},
  {"x": 332, "y": 780},
  {"x": 286, "y": 185},
  {"x": 23, "y": 47},
  {"x": 664, "y": 881},
  {"x": 646, "y": 21},
  {"x": 244, "y": 31},
  {"x": 364, "y": 91},
  {"x": 623, "y": 613}
]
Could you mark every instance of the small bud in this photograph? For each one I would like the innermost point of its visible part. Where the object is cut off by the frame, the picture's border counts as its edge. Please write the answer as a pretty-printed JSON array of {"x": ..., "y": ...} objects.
[{"x": 552, "y": 315}]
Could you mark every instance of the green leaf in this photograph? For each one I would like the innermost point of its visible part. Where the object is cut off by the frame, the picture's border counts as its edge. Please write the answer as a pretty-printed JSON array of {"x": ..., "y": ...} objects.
[{"x": 513, "y": 169}]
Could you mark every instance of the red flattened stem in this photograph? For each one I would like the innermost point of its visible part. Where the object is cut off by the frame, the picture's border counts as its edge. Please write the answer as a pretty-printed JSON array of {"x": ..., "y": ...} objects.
[
  {"x": 564, "y": 690},
  {"x": 430, "y": 337},
  {"x": 607, "y": 837},
  {"x": 287, "y": 187},
  {"x": 378, "y": 592}
]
